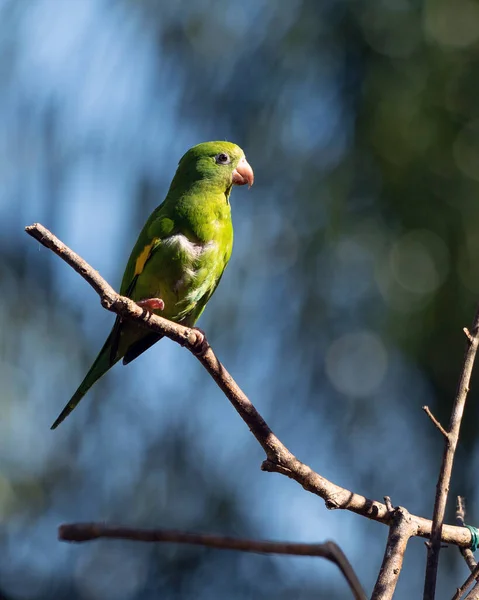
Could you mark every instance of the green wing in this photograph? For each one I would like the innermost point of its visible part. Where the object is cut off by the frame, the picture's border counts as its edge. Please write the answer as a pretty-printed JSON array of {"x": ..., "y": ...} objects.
[{"x": 159, "y": 226}]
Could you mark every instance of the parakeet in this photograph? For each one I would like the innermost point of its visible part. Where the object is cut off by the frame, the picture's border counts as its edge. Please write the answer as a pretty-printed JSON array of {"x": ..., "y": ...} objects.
[{"x": 181, "y": 253}]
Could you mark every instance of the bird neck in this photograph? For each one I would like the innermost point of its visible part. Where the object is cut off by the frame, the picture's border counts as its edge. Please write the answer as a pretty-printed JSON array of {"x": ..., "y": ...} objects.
[{"x": 204, "y": 211}]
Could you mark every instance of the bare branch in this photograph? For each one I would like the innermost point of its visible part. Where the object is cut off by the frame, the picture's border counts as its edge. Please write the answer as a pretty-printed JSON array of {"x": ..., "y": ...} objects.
[
  {"x": 450, "y": 444},
  {"x": 82, "y": 532},
  {"x": 279, "y": 458},
  {"x": 438, "y": 425},
  {"x": 401, "y": 529}
]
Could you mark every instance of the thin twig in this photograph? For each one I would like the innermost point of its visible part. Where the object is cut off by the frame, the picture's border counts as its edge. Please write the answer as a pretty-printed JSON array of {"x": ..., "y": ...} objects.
[
  {"x": 401, "y": 530},
  {"x": 428, "y": 412},
  {"x": 450, "y": 444},
  {"x": 82, "y": 532}
]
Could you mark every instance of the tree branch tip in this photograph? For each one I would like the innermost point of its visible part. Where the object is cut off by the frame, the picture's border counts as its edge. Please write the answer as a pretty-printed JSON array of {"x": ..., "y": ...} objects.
[
  {"x": 388, "y": 503},
  {"x": 35, "y": 227},
  {"x": 435, "y": 422},
  {"x": 272, "y": 466},
  {"x": 73, "y": 532},
  {"x": 468, "y": 334},
  {"x": 35, "y": 231},
  {"x": 269, "y": 466},
  {"x": 107, "y": 302},
  {"x": 331, "y": 504}
]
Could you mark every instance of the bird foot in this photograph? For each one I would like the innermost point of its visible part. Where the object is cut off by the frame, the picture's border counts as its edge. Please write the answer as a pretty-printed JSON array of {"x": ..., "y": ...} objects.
[
  {"x": 200, "y": 345},
  {"x": 152, "y": 304}
]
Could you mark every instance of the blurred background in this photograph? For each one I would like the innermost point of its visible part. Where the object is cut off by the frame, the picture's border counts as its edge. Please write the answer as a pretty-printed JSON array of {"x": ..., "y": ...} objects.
[{"x": 355, "y": 268}]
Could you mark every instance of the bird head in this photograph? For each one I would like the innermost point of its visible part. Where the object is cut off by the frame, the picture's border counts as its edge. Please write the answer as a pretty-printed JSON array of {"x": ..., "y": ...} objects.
[{"x": 218, "y": 164}]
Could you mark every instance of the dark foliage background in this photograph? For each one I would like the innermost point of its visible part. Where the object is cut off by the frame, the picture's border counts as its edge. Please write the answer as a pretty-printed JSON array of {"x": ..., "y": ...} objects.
[{"x": 354, "y": 271}]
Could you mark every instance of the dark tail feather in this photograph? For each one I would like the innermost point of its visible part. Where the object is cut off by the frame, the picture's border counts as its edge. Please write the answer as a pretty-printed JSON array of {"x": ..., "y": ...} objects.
[
  {"x": 103, "y": 362},
  {"x": 141, "y": 346}
]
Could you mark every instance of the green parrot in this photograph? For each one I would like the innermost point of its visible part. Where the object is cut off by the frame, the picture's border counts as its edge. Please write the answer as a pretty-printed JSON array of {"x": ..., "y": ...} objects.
[{"x": 181, "y": 253}]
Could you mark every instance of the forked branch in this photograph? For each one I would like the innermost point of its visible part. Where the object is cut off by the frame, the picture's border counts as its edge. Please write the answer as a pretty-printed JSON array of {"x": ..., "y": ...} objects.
[
  {"x": 451, "y": 437},
  {"x": 278, "y": 458},
  {"x": 400, "y": 531},
  {"x": 83, "y": 532}
]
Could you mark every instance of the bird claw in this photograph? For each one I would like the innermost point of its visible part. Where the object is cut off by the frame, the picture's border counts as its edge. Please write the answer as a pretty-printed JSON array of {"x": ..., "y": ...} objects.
[
  {"x": 200, "y": 345},
  {"x": 152, "y": 304}
]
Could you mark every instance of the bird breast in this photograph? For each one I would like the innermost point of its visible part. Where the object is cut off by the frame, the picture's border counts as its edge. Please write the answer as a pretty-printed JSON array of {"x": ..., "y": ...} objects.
[
  {"x": 191, "y": 254},
  {"x": 185, "y": 246}
]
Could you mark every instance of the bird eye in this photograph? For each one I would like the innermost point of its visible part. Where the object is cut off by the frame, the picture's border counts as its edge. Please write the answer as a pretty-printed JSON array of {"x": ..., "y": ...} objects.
[{"x": 222, "y": 158}]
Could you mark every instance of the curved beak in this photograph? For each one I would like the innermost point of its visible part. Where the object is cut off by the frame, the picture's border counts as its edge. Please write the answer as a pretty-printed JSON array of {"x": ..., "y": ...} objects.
[{"x": 243, "y": 173}]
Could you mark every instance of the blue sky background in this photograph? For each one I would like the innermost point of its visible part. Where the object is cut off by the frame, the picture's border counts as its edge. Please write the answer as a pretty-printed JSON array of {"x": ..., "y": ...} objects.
[{"x": 99, "y": 101}]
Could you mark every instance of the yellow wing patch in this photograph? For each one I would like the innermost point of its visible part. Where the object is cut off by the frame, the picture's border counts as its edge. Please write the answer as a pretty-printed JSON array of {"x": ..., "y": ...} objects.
[{"x": 144, "y": 256}]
